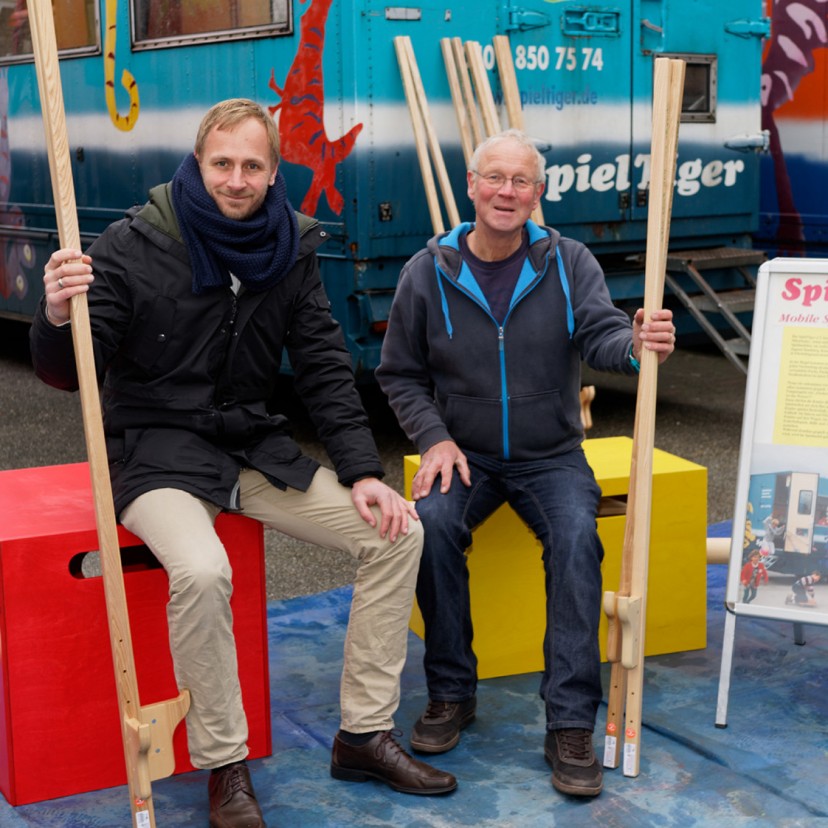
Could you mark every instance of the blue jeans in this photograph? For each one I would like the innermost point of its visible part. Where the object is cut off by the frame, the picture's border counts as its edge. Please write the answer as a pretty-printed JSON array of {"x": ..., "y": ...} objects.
[{"x": 558, "y": 500}]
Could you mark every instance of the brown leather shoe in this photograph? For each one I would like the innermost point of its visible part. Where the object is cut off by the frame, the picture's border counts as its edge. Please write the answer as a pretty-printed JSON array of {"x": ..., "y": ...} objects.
[
  {"x": 384, "y": 759},
  {"x": 232, "y": 800}
]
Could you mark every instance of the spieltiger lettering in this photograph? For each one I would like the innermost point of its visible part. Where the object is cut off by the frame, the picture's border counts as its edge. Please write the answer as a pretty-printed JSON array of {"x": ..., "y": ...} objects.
[{"x": 583, "y": 176}]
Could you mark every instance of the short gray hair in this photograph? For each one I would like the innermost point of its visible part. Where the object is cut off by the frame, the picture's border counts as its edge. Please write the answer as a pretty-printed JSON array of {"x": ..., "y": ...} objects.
[{"x": 519, "y": 137}]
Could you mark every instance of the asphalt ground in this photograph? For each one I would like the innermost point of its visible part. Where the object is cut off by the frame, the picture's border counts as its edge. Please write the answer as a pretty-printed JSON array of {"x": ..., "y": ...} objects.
[{"x": 698, "y": 417}]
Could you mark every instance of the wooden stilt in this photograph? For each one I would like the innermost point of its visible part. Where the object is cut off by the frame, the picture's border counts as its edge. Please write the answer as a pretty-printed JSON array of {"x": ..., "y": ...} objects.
[
  {"x": 626, "y": 610},
  {"x": 147, "y": 732}
]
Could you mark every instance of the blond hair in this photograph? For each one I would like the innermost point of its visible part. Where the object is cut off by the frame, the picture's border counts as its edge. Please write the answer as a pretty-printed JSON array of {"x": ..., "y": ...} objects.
[{"x": 229, "y": 114}]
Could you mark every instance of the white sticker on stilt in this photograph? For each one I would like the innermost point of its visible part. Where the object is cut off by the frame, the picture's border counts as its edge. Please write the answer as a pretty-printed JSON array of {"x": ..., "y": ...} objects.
[
  {"x": 609, "y": 751},
  {"x": 630, "y": 752}
]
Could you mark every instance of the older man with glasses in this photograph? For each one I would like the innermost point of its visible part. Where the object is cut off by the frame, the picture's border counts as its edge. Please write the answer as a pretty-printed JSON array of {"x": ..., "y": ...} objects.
[{"x": 481, "y": 364}]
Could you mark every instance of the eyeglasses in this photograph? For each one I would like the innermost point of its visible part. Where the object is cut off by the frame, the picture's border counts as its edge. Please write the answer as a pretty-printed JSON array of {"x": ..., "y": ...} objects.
[{"x": 497, "y": 181}]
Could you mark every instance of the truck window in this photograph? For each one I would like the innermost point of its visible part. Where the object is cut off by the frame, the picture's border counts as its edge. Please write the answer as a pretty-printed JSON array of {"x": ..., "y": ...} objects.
[
  {"x": 158, "y": 23},
  {"x": 701, "y": 83},
  {"x": 76, "y": 28},
  {"x": 699, "y": 101}
]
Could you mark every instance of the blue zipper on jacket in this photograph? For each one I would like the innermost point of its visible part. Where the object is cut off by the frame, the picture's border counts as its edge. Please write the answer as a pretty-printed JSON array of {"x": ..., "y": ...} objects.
[
  {"x": 504, "y": 387},
  {"x": 527, "y": 282}
]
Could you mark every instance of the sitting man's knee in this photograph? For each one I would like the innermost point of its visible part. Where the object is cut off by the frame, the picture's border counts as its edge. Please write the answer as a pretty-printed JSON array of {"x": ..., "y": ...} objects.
[
  {"x": 204, "y": 578},
  {"x": 435, "y": 511}
]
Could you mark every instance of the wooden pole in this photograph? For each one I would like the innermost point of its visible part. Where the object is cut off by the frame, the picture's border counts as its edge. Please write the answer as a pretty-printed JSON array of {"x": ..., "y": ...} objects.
[
  {"x": 485, "y": 100},
  {"x": 508, "y": 80},
  {"x": 468, "y": 91},
  {"x": 153, "y": 725},
  {"x": 425, "y": 137},
  {"x": 511, "y": 97},
  {"x": 453, "y": 74},
  {"x": 420, "y": 140},
  {"x": 627, "y": 610},
  {"x": 431, "y": 135}
]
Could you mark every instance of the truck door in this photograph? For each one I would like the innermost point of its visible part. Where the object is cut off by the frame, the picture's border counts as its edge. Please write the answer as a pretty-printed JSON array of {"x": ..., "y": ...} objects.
[
  {"x": 799, "y": 529},
  {"x": 572, "y": 62}
]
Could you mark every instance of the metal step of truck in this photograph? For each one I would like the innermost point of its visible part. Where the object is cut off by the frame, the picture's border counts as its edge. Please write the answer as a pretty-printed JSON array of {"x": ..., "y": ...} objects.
[{"x": 702, "y": 301}]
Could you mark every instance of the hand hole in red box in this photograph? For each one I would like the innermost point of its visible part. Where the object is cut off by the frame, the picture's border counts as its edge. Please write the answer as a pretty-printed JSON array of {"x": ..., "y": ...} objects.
[{"x": 133, "y": 559}]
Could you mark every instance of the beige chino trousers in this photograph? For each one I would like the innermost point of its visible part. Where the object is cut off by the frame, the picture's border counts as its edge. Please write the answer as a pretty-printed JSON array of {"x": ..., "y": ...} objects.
[{"x": 178, "y": 529}]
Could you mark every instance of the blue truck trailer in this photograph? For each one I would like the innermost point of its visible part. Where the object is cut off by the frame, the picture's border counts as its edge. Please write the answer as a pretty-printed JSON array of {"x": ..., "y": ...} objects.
[{"x": 139, "y": 74}]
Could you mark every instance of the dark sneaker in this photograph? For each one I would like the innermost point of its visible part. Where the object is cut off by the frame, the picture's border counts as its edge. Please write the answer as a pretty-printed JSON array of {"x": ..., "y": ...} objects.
[
  {"x": 575, "y": 770},
  {"x": 438, "y": 729}
]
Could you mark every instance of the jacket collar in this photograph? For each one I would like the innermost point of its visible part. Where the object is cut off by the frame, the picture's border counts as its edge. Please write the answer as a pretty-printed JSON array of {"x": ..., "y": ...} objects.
[
  {"x": 446, "y": 247},
  {"x": 542, "y": 242}
]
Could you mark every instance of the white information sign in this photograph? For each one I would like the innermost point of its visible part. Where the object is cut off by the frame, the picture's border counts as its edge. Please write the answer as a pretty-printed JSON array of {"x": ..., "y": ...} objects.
[{"x": 779, "y": 547}]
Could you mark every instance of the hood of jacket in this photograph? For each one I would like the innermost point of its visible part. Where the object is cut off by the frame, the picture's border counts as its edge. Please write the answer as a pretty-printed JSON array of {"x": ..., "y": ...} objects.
[{"x": 543, "y": 241}]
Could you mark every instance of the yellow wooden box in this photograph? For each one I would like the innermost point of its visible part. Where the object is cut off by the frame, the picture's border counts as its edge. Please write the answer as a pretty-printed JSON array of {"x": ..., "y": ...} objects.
[{"x": 507, "y": 590}]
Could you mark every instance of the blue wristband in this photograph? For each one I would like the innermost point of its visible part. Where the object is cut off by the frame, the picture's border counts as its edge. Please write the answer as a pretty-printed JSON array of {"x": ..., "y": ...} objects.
[{"x": 633, "y": 361}]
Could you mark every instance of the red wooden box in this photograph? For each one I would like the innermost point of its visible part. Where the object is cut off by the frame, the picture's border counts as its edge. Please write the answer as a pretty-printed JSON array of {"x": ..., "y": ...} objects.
[{"x": 59, "y": 718}]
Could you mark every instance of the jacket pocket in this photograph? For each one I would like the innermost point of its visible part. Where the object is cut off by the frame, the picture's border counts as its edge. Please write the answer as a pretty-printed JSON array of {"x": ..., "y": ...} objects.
[
  {"x": 538, "y": 424},
  {"x": 475, "y": 423}
]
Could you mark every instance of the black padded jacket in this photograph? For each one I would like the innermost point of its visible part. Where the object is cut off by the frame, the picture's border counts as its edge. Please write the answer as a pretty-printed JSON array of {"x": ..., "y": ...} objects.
[{"x": 186, "y": 378}]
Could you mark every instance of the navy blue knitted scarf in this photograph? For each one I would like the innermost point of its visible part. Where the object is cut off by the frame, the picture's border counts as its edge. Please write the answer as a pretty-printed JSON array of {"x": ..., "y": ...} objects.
[{"x": 259, "y": 251}]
